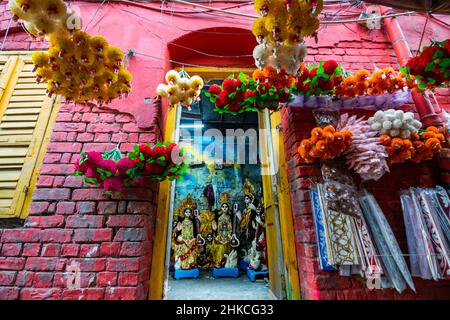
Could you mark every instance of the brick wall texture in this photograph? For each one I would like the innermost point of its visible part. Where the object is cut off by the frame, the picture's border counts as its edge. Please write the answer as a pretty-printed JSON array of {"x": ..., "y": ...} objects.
[{"x": 111, "y": 240}]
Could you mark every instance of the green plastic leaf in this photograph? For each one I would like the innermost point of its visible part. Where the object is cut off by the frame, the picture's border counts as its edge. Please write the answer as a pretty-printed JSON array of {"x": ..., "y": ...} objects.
[
  {"x": 430, "y": 67},
  {"x": 422, "y": 86}
]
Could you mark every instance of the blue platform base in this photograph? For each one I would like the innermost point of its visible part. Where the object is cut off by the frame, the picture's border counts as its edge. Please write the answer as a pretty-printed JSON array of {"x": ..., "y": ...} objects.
[
  {"x": 251, "y": 274},
  {"x": 225, "y": 272},
  {"x": 243, "y": 265},
  {"x": 184, "y": 274}
]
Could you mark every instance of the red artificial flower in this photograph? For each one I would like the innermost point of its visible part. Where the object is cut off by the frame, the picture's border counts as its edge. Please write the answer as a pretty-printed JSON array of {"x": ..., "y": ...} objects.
[
  {"x": 218, "y": 104},
  {"x": 214, "y": 89},
  {"x": 313, "y": 73},
  {"x": 234, "y": 107},
  {"x": 239, "y": 96},
  {"x": 157, "y": 152},
  {"x": 223, "y": 98},
  {"x": 154, "y": 168},
  {"x": 229, "y": 85},
  {"x": 325, "y": 85},
  {"x": 428, "y": 53},
  {"x": 94, "y": 157},
  {"x": 249, "y": 93},
  {"x": 145, "y": 150},
  {"x": 108, "y": 165},
  {"x": 416, "y": 65},
  {"x": 337, "y": 80},
  {"x": 113, "y": 184},
  {"x": 81, "y": 167},
  {"x": 329, "y": 66},
  {"x": 124, "y": 165},
  {"x": 92, "y": 173}
]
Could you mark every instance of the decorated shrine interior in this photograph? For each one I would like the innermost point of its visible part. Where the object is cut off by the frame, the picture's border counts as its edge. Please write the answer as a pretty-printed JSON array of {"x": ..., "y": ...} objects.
[{"x": 230, "y": 150}]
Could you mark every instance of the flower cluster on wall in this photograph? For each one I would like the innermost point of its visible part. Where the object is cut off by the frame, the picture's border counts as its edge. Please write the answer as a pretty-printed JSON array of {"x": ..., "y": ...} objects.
[{"x": 77, "y": 66}]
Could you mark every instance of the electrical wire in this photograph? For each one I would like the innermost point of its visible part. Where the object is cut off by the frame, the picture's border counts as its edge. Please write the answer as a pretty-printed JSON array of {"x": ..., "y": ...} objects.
[
  {"x": 6, "y": 33},
  {"x": 181, "y": 63},
  {"x": 95, "y": 14}
]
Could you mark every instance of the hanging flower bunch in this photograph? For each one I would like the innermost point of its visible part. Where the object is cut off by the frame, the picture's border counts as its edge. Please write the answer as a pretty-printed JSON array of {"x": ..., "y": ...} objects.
[
  {"x": 77, "y": 66},
  {"x": 272, "y": 88},
  {"x": 159, "y": 162},
  {"x": 381, "y": 81},
  {"x": 284, "y": 21},
  {"x": 83, "y": 68},
  {"x": 318, "y": 80},
  {"x": 431, "y": 68},
  {"x": 109, "y": 170},
  {"x": 326, "y": 143},
  {"x": 112, "y": 171},
  {"x": 417, "y": 148},
  {"x": 180, "y": 88},
  {"x": 395, "y": 123},
  {"x": 41, "y": 18},
  {"x": 233, "y": 96},
  {"x": 280, "y": 31}
]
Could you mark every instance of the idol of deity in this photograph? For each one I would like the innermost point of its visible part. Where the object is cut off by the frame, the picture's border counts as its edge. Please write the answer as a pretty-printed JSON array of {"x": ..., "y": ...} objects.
[
  {"x": 184, "y": 239},
  {"x": 223, "y": 230},
  {"x": 257, "y": 256},
  {"x": 206, "y": 220},
  {"x": 247, "y": 220}
]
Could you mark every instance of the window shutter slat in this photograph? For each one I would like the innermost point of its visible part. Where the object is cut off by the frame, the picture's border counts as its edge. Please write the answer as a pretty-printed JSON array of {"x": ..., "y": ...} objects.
[{"x": 24, "y": 115}]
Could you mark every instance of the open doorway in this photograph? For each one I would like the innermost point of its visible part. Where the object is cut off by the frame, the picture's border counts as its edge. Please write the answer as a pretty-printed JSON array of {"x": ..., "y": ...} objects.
[
  {"x": 218, "y": 244},
  {"x": 256, "y": 197}
]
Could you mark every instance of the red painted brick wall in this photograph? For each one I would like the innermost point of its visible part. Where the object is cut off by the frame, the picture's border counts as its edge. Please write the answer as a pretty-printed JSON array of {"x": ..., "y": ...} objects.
[
  {"x": 109, "y": 239},
  {"x": 297, "y": 124}
]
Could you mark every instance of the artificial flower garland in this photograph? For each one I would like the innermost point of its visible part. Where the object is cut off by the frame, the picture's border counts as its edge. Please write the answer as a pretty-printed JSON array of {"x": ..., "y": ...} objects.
[
  {"x": 367, "y": 151},
  {"x": 416, "y": 148},
  {"x": 326, "y": 143},
  {"x": 318, "y": 80},
  {"x": 326, "y": 80},
  {"x": 180, "y": 88},
  {"x": 431, "y": 68},
  {"x": 112, "y": 171},
  {"x": 76, "y": 66},
  {"x": 265, "y": 89},
  {"x": 381, "y": 81},
  {"x": 286, "y": 21},
  {"x": 232, "y": 96}
]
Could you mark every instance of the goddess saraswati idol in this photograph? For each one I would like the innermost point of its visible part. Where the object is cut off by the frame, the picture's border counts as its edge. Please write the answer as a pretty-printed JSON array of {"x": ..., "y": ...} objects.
[
  {"x": 184, "y": 241},
  {"x": 223, "y": 231}
]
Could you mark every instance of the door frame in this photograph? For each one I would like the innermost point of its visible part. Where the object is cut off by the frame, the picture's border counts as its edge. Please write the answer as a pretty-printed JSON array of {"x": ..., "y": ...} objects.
[{"x": 276, "y": 198}]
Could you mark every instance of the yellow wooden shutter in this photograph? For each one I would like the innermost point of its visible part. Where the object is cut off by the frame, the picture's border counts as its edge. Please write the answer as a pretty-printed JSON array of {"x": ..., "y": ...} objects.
[{"x": 25, "y": 111}]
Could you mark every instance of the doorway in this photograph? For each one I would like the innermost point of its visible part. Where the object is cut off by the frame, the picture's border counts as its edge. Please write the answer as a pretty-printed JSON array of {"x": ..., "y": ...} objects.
[{"x": 222, "y": 172}]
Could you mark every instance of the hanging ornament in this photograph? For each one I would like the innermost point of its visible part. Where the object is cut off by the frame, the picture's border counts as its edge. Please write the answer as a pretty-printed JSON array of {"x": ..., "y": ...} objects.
[
  {"x": 180, "y": 88},
  {"x": 77, "y": 66}
]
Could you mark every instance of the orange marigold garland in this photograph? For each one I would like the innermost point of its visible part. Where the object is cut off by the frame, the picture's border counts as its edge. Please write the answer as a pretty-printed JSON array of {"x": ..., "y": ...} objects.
[
  {"x": 417, "y": 148},
  {"x": 326, "y": 143},
  {"x": 381, "y": 81}
]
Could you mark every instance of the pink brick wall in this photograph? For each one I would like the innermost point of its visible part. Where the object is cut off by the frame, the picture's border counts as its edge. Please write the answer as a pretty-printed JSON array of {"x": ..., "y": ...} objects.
[{"x": 110, "y": 239}]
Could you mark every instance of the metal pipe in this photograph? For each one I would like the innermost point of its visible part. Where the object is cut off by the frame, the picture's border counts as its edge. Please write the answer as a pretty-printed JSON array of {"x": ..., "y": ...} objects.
[{"x": 428, "y": 114}]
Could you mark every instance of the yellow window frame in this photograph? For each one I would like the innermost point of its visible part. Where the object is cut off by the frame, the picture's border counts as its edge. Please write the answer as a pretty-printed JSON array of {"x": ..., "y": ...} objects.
[
  {"x": 281, "y": 199},
  {"x": 17, "y": 76}
]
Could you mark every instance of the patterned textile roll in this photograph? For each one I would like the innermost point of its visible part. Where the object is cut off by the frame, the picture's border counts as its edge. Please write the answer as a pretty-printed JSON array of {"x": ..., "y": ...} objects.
[
  {"x": 422, "y": 257},
  {"x": 321, "y": 231},
  {"x": 394, "y": 264}
]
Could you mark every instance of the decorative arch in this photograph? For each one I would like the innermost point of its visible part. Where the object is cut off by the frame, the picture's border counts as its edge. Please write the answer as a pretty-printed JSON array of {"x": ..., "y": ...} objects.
[{"x": 215, "y": 47}]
